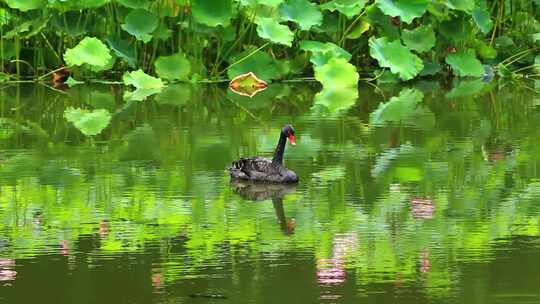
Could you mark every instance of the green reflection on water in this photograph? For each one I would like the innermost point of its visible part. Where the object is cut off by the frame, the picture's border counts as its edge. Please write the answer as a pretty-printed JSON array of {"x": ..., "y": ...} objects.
[{"x": 383, "y": 208}]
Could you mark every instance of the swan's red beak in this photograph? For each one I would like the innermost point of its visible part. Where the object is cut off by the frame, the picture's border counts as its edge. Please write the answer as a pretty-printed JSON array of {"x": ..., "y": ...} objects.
[{"x": 291, "y": 139}]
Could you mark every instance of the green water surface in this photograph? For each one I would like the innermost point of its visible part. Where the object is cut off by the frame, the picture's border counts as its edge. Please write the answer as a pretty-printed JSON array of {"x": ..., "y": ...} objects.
[{"x": 440, "y": 205}]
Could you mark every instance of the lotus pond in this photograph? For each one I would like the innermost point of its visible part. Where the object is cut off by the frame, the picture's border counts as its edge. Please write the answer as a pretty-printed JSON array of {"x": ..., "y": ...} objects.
[{"x": 424, "y": 193}]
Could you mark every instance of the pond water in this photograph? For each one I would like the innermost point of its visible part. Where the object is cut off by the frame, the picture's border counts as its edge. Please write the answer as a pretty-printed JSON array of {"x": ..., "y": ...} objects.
[{"x": 440, "y": 205}]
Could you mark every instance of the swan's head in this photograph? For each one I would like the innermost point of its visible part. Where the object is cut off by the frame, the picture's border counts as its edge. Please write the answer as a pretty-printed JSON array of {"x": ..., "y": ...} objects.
[{"x": 288, "y": 131}]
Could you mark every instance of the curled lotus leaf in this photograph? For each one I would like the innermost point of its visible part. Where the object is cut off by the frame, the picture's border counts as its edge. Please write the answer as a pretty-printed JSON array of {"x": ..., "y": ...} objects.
[{"x": 247, "y": 84}]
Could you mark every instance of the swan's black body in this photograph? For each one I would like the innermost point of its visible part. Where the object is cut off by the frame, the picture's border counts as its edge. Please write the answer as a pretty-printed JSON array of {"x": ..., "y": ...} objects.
[{"x": 264, "y": 170}]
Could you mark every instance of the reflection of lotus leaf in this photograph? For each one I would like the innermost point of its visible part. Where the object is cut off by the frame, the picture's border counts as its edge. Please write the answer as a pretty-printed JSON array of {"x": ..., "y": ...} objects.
[
  {"x": 175, "y": 94},
  {"x": 263, "y": 99},
  {"x": 88, "y": 122},
  {"x": 146, "y": 85},
  {"x": 336, "y": 100},
  {"x": 329, "y": 174},
  {"x": 404, "y": 108}
]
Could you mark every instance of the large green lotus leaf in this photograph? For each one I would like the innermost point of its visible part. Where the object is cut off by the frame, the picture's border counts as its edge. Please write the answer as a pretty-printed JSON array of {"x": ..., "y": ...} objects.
[
  {"x": 123, "y": 49},
  {"x": 462, "y": 5},
  {"x": 457, "y": 30},
  {"x": 464, "y": 63},
  {"x": 430, "y": 68},
  {"x": 260, "y": 63},
  {"x": 212, "y": 12},
  {"x": 140, "y": 94},
  {"x": 134, "y": 3},
  {"x": 270, "y": 29},
  {"x": 337, "y": 73},
  {"x": 407, "y": 10},
  {"x": 321, "y": 52},
  {"x": 404, "y": 108},
  {"x": 141, "y": 23},
  {"x": 395, "y": 56},
  {"x": 26, "y": 5},
  {"x": 88, "y": 122},
  {"x": 254, "y": 3},
  {"x": 482, "y": 19},
  {"x": 302, "y": 12},
  {"x": 174, "y": 67},
  {"x": 141, "y": 80},
  {"x": 349, "y": 8},
  {"x": 177, "y": 94},
  {"x": 384, "y": 24},
  {"x": 89, "y": 51},
  {"x": 27, "y": 29},
  {"x": 335, "y": 100},
  {"x": 420, "y": 39}
]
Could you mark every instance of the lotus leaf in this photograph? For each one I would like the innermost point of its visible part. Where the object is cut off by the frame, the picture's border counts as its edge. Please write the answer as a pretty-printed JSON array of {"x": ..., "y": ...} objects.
[
  {"x": 462, "y": 5},
  {"x": 407, "y": 10},
  {"x": 123, "y": 49},
  {"x": 382, "y": 22},
  {"x": 26, "y": 5},
  {"x": 464, "y": 63},
  {"x": 141, "y": 80},
  {"x": 430, "y": 68},
  {"x": 482, "y": 19},
  {"x": 212, "y": 12},
  {"x": 270, "y": 3},
  {"x": 457, "y": 29},
  {"x": 260, "y": 63},
  {"x": 89, "y": 51},
  {"x": 321, "y": 53},
  {"x": 359, "y": 29},
  {"x": 420, "y": 39},
  {"x": 302, "y": 12},
  {"x": 174, "y": 67},
  {"x": 337, "y": 73},
  {"x": 349, "y": 8},
  {"x": 88, "y": 122},
  {"x": 395, "y": 56},
  {"x": 141, "y": 23},
  {"x": 269, "y": 29}
]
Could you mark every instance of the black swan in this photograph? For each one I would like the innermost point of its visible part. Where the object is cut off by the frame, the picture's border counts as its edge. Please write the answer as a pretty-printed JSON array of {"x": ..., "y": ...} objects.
[{"x": 264, "y": 170}]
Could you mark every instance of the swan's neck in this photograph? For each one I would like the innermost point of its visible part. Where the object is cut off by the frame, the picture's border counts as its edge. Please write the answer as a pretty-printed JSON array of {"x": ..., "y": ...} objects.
[{"x": 280, "y": 149}]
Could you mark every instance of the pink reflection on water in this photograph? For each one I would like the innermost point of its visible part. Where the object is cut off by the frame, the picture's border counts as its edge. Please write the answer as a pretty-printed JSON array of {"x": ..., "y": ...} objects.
[
  {"x": 6, "y": 270},
  {"x": 422, "y": 208},
  {"x": 332, "y": 271},
  {"x": 425, "y": 263}
]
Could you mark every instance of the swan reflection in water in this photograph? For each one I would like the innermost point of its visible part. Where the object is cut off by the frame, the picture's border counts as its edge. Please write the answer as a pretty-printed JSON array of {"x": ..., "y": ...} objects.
[{"x": 260, "y": 192}]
